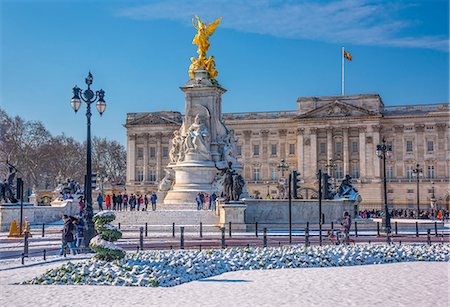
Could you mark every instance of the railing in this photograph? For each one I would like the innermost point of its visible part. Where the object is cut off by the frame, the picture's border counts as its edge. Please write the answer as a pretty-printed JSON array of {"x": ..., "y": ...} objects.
[
  {"x": 412, "y": 108},
  {"x": 260, "y": 115}
]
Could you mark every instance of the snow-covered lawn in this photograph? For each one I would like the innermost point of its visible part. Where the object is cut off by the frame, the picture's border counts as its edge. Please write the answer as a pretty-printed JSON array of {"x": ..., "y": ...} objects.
[{"x": 170, "y": 268}]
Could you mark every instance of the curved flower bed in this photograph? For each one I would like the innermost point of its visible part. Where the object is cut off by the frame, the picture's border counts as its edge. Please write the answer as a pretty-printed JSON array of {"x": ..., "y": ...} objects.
[
  {"x": 107, "y": 233},
  {"x": 170, "y": 268}
]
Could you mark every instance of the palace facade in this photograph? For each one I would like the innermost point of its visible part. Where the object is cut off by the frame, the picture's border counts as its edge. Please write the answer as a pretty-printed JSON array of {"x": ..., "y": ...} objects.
[{"x": 337, "y": 131}]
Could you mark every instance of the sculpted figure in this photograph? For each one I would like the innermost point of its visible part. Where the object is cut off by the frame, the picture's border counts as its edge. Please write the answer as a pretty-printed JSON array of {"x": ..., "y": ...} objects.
[
  {"x": 197, "y": 138},
  {"x": 6, "y": 188},
  {"x": 229, "y": 147},
  {"x": 233, "y": 183},
  {"x": 176, "y": 153},
  {"x": 167, "y": 181}
]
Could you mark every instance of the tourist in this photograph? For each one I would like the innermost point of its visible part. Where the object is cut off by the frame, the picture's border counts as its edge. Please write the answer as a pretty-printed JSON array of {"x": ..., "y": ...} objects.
[
  {"x": 81, "y": 204},
  {"x": 207, "y": 202},
  {"x": 114, "y": 201},
  {"x": 100, "y": 202},
  {"x": 108, "y": 202},
  {"x": 202, "y": 200},
  {"x": 346, "y": 224},
  {"x": 197, "y": 200},
  {"x": 67, "y": 235},
  {"x": 153, "y": 200},
  {"x": 139, "y": 202},
  {"x": 125, "y": 202},
  {"x": 212, "y": 201},
  {"x": 119, "y": 202},
  {"x": 146, "y": 202},
  {"x": 79, "y": 234},
  {"x": 131, "y": 202}
]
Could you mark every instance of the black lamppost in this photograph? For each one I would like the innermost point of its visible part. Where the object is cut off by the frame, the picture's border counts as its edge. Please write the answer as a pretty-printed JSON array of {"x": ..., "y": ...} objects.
[
  {"x": 89, "y": 97},
  {"x": 283, "y": 166},
  {"x": 417, "y": 171},
  {"x": 383, "y": 152}
]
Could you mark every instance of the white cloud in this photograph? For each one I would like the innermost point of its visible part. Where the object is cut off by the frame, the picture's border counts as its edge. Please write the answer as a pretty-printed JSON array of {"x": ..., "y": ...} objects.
[{"x": 361, "y": 22}]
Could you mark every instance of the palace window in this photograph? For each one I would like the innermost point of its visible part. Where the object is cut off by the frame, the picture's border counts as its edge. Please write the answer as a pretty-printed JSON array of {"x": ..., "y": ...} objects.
[
  {"x": 430, "y": 146},
  {"x": 354, "y": 147},
  {"x": 409, "y": 172},
  {"x": 409, "y": 146},
  {"x": 140, "y": 175},
  {"x": 338, "y": 147},
  {"x": 322, "y": 147},
  {"x": 140, "y": 153},
  {"x": 410, "y": 191},
  {"x": 274, "y": 150},
  {"x": 338, "y": 171},
  {"x": 239, "y": 150},
  {"x": 152, "y": 175},
  {"x": 355, "y": 170},
  {"x": 256, "y": 174},
  {"x": 165, "y": 152},
  {"x": 292, "y": 149},
  {"x": 389, "y": 172},
  {"x": 430, "y": 171},
  {"x": 274, "y": 173},
  {"x": 152, "y": 152},
  {"x": 256, "y": 150}
]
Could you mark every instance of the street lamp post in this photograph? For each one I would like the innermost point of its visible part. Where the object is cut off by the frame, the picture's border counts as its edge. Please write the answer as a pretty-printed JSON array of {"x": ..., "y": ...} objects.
[
  {"x": 417, "y": 171},
  {"x": 89, "y": 97},
  {"x": 283, "y": 166},
  {"x": 383, "y": 152}
]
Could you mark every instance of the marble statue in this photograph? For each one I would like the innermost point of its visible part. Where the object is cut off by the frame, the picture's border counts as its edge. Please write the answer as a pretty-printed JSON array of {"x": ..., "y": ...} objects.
[
  {"x": 71, "y": 187},
  {"x": 197, "y": 139},
  {"x": 229, "y": 147},
  {"x": 167, "y": 181},
  {"x": 201, "y": 39},
  {"x": 176, "y": 152}
]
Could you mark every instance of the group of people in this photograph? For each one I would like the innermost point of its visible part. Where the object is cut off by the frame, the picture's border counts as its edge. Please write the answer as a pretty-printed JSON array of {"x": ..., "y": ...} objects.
[
  {"x": 123, "y": 201},
  {"x": 72, "y": 234},
  {"x": 407, "y": 213},
  {"x": 206, "y": 202}
]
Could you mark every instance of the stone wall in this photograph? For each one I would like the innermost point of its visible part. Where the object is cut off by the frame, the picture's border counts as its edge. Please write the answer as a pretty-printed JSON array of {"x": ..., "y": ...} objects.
[
  {"x": 276, "y": 212},
  {"x": 36, "y": 214}
]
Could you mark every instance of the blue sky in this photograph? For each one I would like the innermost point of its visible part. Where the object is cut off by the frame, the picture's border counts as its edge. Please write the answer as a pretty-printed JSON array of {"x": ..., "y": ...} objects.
[{"x": 267, "y": 53}]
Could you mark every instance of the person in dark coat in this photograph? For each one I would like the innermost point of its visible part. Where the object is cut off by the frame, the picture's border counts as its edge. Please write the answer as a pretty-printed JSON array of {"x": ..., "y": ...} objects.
[
  {"x": 68, "y": 238},
  {"x": 346, "y": 224}
]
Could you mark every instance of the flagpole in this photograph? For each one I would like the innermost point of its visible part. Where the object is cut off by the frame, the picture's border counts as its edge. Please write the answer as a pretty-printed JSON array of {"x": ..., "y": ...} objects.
[{"x": 342, "y": 70}]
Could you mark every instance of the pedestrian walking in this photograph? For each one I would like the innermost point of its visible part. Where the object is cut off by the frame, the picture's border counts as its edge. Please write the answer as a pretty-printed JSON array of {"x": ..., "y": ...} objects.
[
  {"x": 212, "y": 201},
  {"x": 146, "y": 202},
  {"x": 100, "y": 202},
  {"x": 139, "y": 202},
  {"x": 153, "y": 200},
  {"x": 197, "y": 199},
  {"x": 108, "y": 202},
  {"x": 125, "y": 202},
  {"x": 79, "y": 233},
  {"x": 119, "y": 202},
  {"x": 67, "y": 236},
  {"x": 346, "y": 224},
  {"x": 81, "y": 205},
  {"x": 114, "y": 201}
]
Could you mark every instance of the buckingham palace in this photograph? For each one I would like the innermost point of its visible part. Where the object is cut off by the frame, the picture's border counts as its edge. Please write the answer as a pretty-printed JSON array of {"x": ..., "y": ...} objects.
[{"x": 338, "y": 134}]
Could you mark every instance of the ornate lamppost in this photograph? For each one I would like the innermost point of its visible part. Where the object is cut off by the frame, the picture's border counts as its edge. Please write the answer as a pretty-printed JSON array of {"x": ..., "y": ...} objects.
[
  {"x": 89, "y": 97},
  {"x": 384, "y": 150},
  {"x": 417, "y": 171},
  {"x": 283, "y": 166}
]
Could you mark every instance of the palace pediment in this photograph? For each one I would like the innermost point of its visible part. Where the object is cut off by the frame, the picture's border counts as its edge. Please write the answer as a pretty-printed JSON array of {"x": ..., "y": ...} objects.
[
  {"x": 337, "y": 109},
  {"x": 154, "y": 118}
]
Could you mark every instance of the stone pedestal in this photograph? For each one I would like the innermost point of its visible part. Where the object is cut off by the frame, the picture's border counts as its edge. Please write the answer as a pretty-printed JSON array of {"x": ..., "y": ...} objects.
[{"x": 233, "y": 212}]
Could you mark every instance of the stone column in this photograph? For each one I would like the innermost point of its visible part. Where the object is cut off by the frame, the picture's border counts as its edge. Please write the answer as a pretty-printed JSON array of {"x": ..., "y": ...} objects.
[
  {"x": 247, "y": 153},
  {"x": 146, "y": 157},
  {"x": 158, "y": 157},
  {"x": 362, "y": 152},
  {"x": 313, "y": 160},
  {"x": 441, "y": 153},
  {"x": 300, "y": 156},
  {"x": 282, "y": 134},
  {"x": 329, "y": 144},
  {"x": 131, "y": 158},
  {"x": 376, "y": 160},
  {"x": 345, "y": 151},
  {"x": 420, "y": 144},
  {"x": 265, "y": 173}
]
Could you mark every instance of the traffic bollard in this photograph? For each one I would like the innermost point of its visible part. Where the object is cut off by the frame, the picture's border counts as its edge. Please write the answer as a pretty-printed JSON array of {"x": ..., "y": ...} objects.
[
  {"x": 45, "y": 254},
  {"x": 141, "y": 238},
  {"x": 435, "y": 229},
  {"x": 173, "y": 230},
  {"x": 265, "y": 237},
  {"x": 182, "y": 237},
  {"x": 229, "y": 229},
  {"x": 307, "y": 236},
  {"x": 417, "y": 229},
  {"x": 43, "y": 229},
  {"x": 429, "y": 236},
  {"x": 119, "y": 225},
  {"x": 201, "y": 230},
  {"x": 356, "y": 228},
  {"x": 222, "y": 229},
  {"x": 256, "y": 229},
  {"x": 25, "y": 244},
  {"x": 396, "y": 228},
  {"x": 146, "y": 230},
  {"x": 332, "y": 225},
  {"x": 378, "y": 229}
]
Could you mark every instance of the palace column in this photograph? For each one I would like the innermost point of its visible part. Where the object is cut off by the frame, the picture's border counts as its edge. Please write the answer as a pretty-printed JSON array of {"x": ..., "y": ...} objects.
[
  {"x": 282, "y": 133},
  {"x": 146, "y": 157},
  {"x": 376, "y": 160},
  {"x": 265, "y": 173},
  {"x": 300, "y": 157},
  {"x": 131, "y": 158},
  {"x": 313, "y": 160},
  {"x": 345, "y": 150},
  {"x": 158, "y": 157},
  {"x": 420, "y": 144},
  {"x": 441, "y": 152},
  {"x": 247, "y": 153},
  {"x": 362, "y": 152},
  {"x": 329, "y": 144}
]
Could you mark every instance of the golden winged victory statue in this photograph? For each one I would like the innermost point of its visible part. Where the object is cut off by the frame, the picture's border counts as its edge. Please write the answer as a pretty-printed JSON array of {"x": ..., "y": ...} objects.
[{"x": 201, "y": 39}]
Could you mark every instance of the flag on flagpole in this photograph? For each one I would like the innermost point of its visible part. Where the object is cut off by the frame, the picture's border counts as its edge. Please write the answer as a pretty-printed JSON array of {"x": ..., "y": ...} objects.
[{"x": 347, "y": 55}]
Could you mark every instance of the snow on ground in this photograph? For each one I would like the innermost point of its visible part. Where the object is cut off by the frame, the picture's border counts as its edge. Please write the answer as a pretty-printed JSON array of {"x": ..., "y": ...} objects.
[{"x": 399, "y": 284}]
